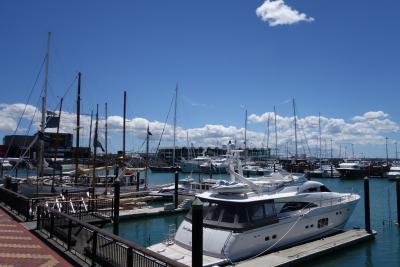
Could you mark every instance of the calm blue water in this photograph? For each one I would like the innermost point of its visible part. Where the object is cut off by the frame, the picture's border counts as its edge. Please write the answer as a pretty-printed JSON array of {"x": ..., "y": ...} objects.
[{"x": 383, "y": 251}]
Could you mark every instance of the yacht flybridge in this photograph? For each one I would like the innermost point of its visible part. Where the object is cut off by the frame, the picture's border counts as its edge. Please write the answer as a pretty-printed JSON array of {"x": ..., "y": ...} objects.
[{"x": 255, "y": 216}]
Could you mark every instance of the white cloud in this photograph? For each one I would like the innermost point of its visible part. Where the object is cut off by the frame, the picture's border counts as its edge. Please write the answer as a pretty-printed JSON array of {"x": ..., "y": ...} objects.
[
  {"x": 278, "y": 13},
  {"x": 367, "y": 129},
  {"x": 371, "y": 115}
]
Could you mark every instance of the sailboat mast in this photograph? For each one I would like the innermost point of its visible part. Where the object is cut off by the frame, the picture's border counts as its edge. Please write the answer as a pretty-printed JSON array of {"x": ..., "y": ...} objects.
[
  {"x": 124, "y": 129},
  {"x": 95, "y": 142},
  {"x": 106, "y": 148},
  {"x": 56, "y": 146},
  {"x": 320, "y": 136},
  {"x": 44, "y": 108},
  {"x": 245, "y": 138},
  {"x": 78, "y": 115},
  {"x": 176, "y": 105},
  {"x": 396, "y": 150},
  {"x": 147, "y": 156},
  {"x": 276, "y": 135},
  {"x": 387, "y": 153},
  {"x": 90, "y": 131},
  {"x": 268, "y": 130},
  {"x": 295, "y": 128}
]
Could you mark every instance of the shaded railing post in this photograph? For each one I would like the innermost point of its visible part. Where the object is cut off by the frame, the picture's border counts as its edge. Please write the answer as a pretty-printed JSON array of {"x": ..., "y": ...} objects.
[
  {"x": 398, "y": 200},
  {"x": 176, "y": 189},
  {"x": 129, "y": 258},
  {"x": 51, "y": 224},
  {"x": 69, "y": 234},
  {"x": 366, "y": 205},
  {"x": 80, "y": 210},
  {"x": 94, "y": 248},
  {"x": 117, "y": 187},
  {"x": 137, "y": 181},
  {"x": 197, "y": 233},
  {"x": 38, "y": 217}
]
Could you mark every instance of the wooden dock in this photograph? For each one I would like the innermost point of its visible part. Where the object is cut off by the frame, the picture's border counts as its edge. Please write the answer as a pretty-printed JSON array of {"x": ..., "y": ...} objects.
[{"x": 311, "y": 250}]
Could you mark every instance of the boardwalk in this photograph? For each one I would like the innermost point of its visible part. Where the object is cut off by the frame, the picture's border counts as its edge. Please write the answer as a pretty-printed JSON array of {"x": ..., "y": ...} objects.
[{"x": 19, "y": 247}]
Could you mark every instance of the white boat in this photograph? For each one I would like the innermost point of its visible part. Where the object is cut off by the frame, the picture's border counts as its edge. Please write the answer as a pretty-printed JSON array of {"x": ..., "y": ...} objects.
[
  {"x": 193, "y": 165},
  {"x": 394, "y": 173},
  {"x": 243, "y": 225},
  {"x": 216, "y": 166},
  {"x": 5, "y": 164}
]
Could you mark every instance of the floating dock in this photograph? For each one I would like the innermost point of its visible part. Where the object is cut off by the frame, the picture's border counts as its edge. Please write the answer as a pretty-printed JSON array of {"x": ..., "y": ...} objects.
[{"x": 311, "y": 250}]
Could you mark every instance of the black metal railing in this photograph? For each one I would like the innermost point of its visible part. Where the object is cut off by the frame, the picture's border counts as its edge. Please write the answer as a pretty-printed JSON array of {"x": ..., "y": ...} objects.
[
  {"x": 17, "y": 202},
  {"x": 88, "y": 210},
  {"x": 94, "y": 245}
]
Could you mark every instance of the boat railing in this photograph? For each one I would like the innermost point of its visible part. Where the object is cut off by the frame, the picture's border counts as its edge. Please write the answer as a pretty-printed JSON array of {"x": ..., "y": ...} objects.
[
  {"x": 96, "y": 246},
  {"x": 337, "y": 200},
  {"x": 324, "y": 203}
]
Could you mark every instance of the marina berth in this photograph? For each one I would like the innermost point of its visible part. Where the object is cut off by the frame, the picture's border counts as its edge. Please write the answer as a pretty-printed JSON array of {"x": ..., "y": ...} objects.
[{"x": 252, "y": 217}]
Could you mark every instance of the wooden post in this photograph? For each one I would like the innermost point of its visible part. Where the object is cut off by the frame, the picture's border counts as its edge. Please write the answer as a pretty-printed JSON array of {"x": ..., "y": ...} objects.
[
  {"x": 366, "y": 206},
  {"x": 69, "y": 234},
  {"x": 117, "y": 187},
  {"x": 51, "y": 224},
  {"x": 398, "y": 200},
  {"x": 129, "y": 258},
  {"x": 38, "y": 217},
  {"x": 94, "y": 248},
  {"x": 197, "y": 233},
  {"x": 176, "y": 189},
  {"x": 137, "y": 181}
]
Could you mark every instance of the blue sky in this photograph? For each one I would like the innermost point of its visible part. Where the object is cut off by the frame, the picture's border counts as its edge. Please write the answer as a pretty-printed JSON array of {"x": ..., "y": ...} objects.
[{"x": 342, "y": 62}]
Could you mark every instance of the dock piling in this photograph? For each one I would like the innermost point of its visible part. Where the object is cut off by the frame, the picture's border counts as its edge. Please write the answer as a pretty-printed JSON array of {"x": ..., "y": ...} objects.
[
  {"x": 137, "y": 181},
  {"x": 197, "y": 233},
  {"x": 117, "y": 187},
  {"x": 176, "y": 189},
  {"x": 366, "y": 206},
  {"x": 398, "y": 200}
]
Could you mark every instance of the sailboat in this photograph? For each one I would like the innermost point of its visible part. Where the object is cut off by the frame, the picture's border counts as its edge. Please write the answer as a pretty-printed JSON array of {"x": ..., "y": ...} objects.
[{"x": 159, "y": 167}]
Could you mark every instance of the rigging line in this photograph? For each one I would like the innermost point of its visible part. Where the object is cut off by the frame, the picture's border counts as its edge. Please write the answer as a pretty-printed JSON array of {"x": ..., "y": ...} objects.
[
  {"x": 26, "y": 104},
  {"x": 66, "y": 92},
  {"x": 165, "y": 123},
  {"x": 30, "y": 123}
]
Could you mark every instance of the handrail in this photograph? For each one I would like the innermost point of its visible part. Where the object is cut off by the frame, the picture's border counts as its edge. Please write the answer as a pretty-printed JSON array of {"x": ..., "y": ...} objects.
[{"x": 115, "y": 238}]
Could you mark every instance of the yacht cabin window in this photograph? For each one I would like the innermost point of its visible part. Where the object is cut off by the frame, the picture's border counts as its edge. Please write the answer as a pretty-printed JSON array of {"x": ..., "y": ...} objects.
[{"x": 238, "y": 215}]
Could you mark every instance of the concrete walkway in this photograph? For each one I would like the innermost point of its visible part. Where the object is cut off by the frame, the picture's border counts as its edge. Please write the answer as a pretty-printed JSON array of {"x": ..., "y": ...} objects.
[{"x": 19, "y": 247}]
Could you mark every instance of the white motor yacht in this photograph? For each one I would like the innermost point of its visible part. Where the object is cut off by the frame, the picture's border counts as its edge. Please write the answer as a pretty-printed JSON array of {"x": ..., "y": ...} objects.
[
  {"x": 252, "y": 219},
  {"x": 394, "y": 173},
  {"x": 193, "y": 165}
]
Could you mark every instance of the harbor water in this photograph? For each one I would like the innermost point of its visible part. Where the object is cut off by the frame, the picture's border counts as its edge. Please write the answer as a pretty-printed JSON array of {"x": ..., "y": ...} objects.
[{"x": 383, "y": 251}]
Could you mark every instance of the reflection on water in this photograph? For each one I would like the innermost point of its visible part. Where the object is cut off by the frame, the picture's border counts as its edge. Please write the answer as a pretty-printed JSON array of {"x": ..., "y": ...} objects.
[{"x": 147, "y": 231}]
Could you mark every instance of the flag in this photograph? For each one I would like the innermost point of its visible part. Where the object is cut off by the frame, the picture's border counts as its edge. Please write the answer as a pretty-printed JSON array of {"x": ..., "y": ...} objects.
[
  {"x": 148, "y": 131},
  {"x": 98, "y": 144},
  {"x": 52, "y": 121}
]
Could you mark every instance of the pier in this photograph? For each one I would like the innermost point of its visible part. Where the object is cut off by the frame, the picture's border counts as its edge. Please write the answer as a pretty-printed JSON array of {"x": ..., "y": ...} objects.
[{"x": 311, "y": 250}]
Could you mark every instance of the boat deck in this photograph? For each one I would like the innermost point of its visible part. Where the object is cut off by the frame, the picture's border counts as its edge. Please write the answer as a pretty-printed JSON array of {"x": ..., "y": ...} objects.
[
  {"x": 311, "y": 250},
  {"x": 181, "y": 254}
]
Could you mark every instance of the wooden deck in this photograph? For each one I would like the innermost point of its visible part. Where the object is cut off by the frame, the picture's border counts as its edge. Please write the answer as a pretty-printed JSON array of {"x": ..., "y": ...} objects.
[{"x": 308, "y": 251}]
